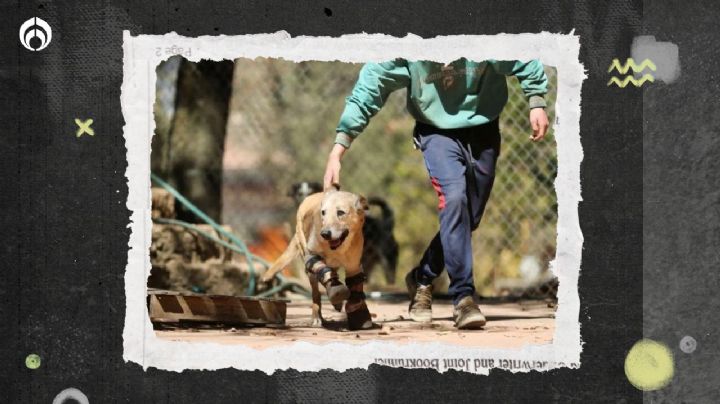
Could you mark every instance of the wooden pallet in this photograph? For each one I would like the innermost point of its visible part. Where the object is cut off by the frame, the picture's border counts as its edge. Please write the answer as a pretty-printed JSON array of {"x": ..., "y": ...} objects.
[{"x": 173, "y": 307}]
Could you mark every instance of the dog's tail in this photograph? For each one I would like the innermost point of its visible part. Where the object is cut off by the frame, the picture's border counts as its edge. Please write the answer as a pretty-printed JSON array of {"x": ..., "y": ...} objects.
[
  {"x": 291, "y": 252},
  {"x": 388, "y": 216}
]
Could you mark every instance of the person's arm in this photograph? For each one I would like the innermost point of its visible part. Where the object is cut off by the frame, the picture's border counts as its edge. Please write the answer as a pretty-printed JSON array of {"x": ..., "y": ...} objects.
[
  {"x": 531, "y": 76},
  {"x": 375, "y": 83},
  {"x": 533, "y": 83},
  {"x": 332, "y": 168}
]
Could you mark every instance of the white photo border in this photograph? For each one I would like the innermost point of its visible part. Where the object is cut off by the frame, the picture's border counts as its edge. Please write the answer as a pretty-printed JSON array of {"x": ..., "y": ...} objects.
[{"x": 143, "y": 53}]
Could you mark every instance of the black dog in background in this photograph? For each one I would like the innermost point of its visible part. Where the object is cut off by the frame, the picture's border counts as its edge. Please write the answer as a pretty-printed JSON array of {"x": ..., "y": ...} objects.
[{"x": 380, "y": 247}]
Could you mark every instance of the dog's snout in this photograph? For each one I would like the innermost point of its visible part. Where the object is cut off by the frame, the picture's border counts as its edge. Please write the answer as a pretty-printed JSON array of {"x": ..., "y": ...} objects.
[{"x": 326, "y": 234}]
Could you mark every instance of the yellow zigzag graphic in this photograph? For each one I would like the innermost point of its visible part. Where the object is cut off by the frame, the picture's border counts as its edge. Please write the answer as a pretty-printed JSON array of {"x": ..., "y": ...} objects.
[
  {"x": 630, "y": 63},
  {"x": 630, "y": 79}
]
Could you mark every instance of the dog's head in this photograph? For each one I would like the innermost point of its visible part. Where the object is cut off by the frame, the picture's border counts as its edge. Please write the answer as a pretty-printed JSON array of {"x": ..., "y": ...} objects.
[
  {"x": 342, "y": 214},
  {"x": 301, "y": 190}
]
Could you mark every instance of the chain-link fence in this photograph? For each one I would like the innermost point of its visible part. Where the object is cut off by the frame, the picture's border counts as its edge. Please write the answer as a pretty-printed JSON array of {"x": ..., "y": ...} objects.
[{"x": 282, "y": 124}]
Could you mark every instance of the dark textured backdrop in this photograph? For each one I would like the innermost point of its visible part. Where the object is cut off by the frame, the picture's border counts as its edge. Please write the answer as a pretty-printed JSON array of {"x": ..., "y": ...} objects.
[
  {"x": 64, "y": 221},
  {"x": 681, "y": 205}
]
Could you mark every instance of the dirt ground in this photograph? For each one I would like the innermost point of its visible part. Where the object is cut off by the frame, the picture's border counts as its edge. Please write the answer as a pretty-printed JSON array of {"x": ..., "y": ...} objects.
[{"x": 510, "y": 325}]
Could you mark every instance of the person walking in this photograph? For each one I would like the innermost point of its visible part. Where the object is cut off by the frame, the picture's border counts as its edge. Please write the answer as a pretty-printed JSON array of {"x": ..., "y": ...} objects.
[{"x": 456, "y": 108}]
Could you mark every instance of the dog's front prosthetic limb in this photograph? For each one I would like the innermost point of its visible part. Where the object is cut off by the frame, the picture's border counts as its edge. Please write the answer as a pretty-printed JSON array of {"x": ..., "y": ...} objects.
[
  {"x": 357, "y": 311},
  {"x": 337, "y": 292}
]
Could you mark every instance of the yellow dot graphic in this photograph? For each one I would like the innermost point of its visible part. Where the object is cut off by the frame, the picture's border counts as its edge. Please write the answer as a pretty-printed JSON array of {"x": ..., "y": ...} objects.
[
  {"x": 649, "y": 365},
  {"x": 32, "y": 361}
]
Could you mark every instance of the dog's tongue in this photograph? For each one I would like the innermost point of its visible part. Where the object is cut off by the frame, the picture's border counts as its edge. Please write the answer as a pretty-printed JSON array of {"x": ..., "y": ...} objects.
[{"x": 335, "y": 243}]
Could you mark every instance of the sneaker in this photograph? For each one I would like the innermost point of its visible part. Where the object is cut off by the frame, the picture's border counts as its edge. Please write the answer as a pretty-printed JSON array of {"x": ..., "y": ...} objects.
[
  {"x": 468, "y": 315},
  {"x": 420, "y": 299}
]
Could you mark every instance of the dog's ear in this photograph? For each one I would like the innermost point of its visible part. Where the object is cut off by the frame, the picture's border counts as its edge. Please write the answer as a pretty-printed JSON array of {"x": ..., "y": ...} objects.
[
  {"x": 333, "y": 187},
  {"x": 361, "y": 203}
]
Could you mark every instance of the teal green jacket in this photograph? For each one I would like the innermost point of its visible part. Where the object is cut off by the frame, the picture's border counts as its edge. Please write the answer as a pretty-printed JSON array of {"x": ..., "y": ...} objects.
[{"x": 461, "y": 94}]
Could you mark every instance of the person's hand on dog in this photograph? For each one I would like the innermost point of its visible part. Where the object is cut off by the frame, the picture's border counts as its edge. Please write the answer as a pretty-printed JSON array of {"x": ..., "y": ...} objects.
[
  {"x": 539, "y": 123},
  {"x": 332, "y": 169}
]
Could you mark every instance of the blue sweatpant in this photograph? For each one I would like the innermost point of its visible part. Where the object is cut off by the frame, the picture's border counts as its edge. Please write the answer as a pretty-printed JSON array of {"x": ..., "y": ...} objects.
[{"x": 461, "y": 165}]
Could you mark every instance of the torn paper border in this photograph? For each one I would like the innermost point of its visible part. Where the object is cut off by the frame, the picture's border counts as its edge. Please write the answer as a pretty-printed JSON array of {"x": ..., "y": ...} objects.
[{"x": 143, "y": 53}]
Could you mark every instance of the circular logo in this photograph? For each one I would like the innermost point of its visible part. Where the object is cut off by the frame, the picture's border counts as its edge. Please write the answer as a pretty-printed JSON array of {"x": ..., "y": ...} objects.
[{"x": 35, "y": 34}]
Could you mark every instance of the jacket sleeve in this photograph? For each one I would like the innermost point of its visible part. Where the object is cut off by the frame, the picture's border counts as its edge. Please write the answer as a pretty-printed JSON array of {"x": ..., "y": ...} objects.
[
  {"x": 531, "y": 75},
  {"x": 375, "y": 83}
]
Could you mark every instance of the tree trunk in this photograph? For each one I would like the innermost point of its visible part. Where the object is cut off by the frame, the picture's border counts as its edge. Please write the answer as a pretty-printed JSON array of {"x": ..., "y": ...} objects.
[{"x": 188, "y": 146}]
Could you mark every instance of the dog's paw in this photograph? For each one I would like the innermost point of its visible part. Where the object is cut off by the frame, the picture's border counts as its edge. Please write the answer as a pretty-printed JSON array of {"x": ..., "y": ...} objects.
[
  {"x": 366, "y": 325},
  {"x": 316, "y": 323},
  {"x": 358, "y": 315}
]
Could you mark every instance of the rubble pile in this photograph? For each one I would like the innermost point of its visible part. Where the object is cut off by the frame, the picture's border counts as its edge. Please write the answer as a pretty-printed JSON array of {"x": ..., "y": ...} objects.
[{"x": 184, "y": 260}]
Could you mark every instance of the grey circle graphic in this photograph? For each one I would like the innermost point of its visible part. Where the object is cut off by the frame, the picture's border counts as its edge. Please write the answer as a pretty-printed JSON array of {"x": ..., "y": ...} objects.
[
  {"x": 71, "y": 394},
  {"x": 688, "y": 344}
]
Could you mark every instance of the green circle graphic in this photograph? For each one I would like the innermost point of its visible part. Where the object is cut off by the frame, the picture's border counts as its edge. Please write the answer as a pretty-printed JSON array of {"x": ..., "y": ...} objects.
[{"x": 32, "y": 361}]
